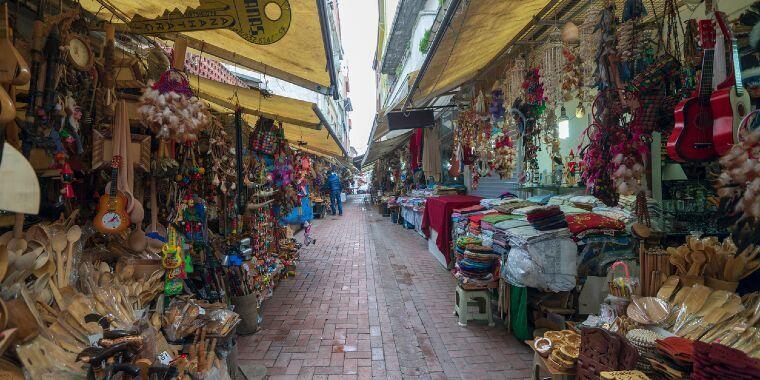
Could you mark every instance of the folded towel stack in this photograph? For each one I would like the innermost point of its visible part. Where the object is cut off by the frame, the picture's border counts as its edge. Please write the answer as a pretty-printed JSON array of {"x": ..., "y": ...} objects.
[{"x": 547, "y": 218}]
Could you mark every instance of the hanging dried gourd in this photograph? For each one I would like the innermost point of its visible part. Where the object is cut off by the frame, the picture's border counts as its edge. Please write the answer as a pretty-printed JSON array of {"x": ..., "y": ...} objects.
[
  {"x": 740, "y": 179},
  {"x": 171, "y": 109}
]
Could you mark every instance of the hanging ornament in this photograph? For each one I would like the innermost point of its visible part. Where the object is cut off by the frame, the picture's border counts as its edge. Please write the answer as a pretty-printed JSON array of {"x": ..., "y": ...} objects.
[{"x": 551, "y": 68}]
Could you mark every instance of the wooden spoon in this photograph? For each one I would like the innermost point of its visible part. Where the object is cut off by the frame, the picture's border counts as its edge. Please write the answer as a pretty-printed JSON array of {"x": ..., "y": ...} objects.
[
  {"x": 72, "y": 236},
  {"x": 59, "y": 243},
  {"x": 697, "y": 259}
]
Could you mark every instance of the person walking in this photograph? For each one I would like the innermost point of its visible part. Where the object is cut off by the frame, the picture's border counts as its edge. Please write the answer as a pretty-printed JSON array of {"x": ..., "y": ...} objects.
[{"x": 333, "y": 183}]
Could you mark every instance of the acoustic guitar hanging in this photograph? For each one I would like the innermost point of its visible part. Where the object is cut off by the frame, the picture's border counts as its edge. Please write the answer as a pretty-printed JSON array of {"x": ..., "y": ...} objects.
[
  {"x": 112, "y": 217},
  {"x": 692, "y": 136},
  {"x": 261, "y": 22},
  {"x": 730, "y": 102}
]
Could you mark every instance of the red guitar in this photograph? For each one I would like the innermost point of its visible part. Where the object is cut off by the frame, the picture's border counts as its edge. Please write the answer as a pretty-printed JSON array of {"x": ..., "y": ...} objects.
[
  {"x": 692, "y": 136},
  {"x": 730, "y": 102}
]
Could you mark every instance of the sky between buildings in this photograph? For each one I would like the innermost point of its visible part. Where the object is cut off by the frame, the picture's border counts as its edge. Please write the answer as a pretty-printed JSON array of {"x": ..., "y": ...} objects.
[{"x": 359, "y": 35}]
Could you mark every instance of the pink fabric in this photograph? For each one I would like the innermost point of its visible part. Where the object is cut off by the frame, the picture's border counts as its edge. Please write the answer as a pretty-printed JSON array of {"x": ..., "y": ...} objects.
[{"x": 437, "y": 215}]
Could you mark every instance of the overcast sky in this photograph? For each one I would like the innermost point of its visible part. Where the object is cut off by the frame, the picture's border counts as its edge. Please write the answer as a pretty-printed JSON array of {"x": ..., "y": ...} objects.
[{"x": 358, "y": 20}]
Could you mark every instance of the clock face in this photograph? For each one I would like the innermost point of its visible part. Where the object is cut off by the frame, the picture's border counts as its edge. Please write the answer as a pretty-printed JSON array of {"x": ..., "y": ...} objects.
[
  {"x": 111, "y": 220},
  {"x": 79, "y": 52}
]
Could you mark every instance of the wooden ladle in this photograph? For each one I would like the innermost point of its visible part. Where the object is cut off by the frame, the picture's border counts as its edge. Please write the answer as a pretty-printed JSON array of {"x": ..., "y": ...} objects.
[
  {"x": 72, "y": 236},
  {"x": 59, "y": 243}
]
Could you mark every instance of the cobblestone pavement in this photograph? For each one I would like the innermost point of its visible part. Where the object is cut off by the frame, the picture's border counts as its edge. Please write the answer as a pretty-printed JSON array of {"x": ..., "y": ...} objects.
[{"x": 369, "y": 301}]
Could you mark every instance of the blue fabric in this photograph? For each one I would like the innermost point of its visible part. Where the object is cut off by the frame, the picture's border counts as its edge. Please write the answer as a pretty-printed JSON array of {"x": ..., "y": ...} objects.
[
  {"x": 334, "y": 183},
  {"x": 306, "y": 214},
  {"x": 335, "y": 198}
]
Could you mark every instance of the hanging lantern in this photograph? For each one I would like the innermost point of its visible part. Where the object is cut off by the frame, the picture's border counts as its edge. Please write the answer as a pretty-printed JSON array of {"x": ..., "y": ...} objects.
[{"x": 570, "y": 33}]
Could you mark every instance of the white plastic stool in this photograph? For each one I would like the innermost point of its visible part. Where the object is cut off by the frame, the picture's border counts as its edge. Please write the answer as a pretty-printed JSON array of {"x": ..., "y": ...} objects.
[{"x": 479, "y": 298}]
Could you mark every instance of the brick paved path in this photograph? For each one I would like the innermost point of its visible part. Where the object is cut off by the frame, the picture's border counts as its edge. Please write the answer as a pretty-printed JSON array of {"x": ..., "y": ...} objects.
[{"x": 369, "y": 301}]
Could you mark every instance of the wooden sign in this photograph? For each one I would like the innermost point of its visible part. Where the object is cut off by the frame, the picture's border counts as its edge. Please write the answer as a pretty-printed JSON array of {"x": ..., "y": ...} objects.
[{"x": 261, "y": 22}]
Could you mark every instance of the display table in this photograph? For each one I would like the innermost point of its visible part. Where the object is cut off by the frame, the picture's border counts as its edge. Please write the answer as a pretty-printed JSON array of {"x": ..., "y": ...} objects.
[
  {"x": 436, "y": 221},
  {"x": 539, "y": 363}
]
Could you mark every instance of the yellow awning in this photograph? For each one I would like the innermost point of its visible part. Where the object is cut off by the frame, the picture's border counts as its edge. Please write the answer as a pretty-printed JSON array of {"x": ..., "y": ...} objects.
[
  {"x": 299, "y": 57},
  {"x": 299, "y": 118},
  {"x": 378, "y": 149},
  {"x": 280, "y": 108},
  {"x": 475, "y": 36}
]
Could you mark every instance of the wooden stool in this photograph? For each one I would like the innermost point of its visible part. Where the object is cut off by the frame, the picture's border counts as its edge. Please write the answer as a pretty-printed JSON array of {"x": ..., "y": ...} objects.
[{"x": 479, "y": 298}]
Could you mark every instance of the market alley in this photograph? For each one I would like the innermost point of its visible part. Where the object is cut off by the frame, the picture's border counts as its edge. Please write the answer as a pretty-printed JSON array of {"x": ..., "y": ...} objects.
[{"x": 369, "y": 301}]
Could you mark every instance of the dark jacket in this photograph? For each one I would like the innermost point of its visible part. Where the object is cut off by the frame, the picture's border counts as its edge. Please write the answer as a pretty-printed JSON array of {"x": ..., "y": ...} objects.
[{"x": 333, "y": 183}]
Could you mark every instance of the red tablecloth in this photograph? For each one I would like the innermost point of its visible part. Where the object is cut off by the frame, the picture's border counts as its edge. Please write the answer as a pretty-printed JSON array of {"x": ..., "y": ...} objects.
[{"x": 438, "y": 216}]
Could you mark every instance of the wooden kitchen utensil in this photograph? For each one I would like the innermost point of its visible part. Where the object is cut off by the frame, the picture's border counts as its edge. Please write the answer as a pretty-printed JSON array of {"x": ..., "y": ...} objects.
[
  {"x": 72, "y": 236},
  {"x": 59, "y": 243}
]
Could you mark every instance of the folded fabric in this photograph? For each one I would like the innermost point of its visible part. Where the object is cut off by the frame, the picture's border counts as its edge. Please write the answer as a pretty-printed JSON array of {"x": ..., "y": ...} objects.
[
  {"x": 548, "y": 220},
  {"x": 470, "y": 209},
  {"x": 507, "y": 208},
  {"x": 497, "y": 217},
  {"x": 534, "y": 216},
  {"x": 525, "y": 210},
  {"x": 578, "y": 223}
]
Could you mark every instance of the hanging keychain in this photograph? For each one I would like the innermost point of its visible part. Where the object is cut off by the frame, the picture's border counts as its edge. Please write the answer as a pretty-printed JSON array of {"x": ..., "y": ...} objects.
[{"x": 172, "y": 261}]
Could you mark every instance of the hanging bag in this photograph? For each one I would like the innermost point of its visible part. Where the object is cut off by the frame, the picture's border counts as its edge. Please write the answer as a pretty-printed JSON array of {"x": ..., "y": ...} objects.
[{"x": 264, "y": 137}]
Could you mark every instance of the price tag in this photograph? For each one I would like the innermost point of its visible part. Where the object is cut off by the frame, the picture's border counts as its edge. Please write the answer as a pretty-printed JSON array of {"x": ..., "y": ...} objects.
[{"x": 164, "y": 358}]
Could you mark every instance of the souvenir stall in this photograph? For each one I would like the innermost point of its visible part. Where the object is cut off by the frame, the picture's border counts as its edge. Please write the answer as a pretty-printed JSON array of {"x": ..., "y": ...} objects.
[
  {"x": 629, "y": 242},
  {"x": 143, "y": 227}
]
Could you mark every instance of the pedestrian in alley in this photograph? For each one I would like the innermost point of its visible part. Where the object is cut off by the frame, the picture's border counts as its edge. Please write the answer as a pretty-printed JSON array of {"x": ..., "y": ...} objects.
[{"x": 335, "y": 187}]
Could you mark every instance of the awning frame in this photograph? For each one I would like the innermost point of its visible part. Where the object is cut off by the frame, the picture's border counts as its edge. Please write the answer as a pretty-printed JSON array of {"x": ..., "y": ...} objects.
[{"x": 252, "y": 64}]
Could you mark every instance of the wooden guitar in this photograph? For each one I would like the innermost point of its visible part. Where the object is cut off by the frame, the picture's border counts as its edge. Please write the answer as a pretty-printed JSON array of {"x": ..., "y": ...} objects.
[
  {"x": 730, "y": 101},
  {"x": 112, "y": 217},
  {"x": 692, "y": 136}
]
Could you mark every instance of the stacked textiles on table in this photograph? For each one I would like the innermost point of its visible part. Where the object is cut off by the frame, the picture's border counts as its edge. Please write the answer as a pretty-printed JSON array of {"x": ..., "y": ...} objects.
[
  {"x": 546, "y": 218},
  {"x": 586, "y": 202},
  {"x": 512, "y": 205},
  {"x": 474, "y": 221},
  {"x": 462, "y": 243},
  {"x": 476, "y": 265},
  {"x": 604, "y": 240},
  {"x": 540, "y": 259},
  {"x": 625, "y": 211}
]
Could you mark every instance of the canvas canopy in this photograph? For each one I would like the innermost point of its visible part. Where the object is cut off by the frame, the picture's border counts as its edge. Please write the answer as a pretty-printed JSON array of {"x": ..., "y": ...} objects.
[
  {"x": 300, "y": 118},
  {"x": 476, "y": 35},
  {"x": 378, "y": 149},
  {"x": 299, "y": 57}
]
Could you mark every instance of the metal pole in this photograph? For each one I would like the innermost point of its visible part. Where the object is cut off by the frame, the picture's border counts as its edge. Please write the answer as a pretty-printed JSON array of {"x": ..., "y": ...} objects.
[{"x": 239, "y": 157}]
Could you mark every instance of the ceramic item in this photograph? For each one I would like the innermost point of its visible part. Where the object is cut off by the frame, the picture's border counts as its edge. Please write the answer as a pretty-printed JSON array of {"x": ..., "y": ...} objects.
[{"x": 543, "y": 346}]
